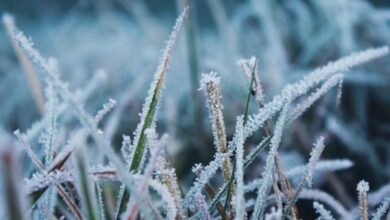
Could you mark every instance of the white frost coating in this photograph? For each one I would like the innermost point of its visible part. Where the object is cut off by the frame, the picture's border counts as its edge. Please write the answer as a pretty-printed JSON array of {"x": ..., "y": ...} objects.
[
  {"x": 28, "y": 149},
  {"x": 248, "y": 66},
  {"x": 381, "y": 211},
  {"x": 275, "y": 214},
  {"x": 8, "y": 19},
  {"x": 157, "y": 84},
  {"x": 207, "y": 78},
  {"x": 28, "y": 69},
  {"x": 99, "y": 191},
  {"x": 150, "y": 145},
  {"x": 201, "y": 205},
  {"x": 197, "y": 168},
  {"x": 85, "y": 119},
  {"x": 325, "y": 87},
  {"x": 376, "y": 197},
  {"x": 321, "y": 166},
  {"x": 267, "y": 173},
  {"x": 239, "y": 197},
  {"x": 40, "y": 180},
  {"x": 324, "y": 197},
  {"x": 324, "y": 214},
  {"x": 80, "y": 97},
  {"x": 243, "y": 63},
  {"x": 48, "y": 136},
  {"x": 107, "y": 107},
  {"x": 314, "y": 157},
  {"x": 166, "y": 197},
  {"x": 49, "y": 66},
  {"x": 308, "y": 174},
  {"x": 155, "y": 147},
  {"x": 207, "y": 173},
  {"x": 292, "y": 91},
  {"x": 167, "y": 175},
  {"x": 363, "y": 187},
  {"x": 67, "y": 149},
  {"x": 209, "y": 83}
]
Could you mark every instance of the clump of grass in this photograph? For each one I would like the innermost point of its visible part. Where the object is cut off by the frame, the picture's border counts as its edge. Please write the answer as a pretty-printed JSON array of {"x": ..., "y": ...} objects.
[{"x": 150, "y": 188}]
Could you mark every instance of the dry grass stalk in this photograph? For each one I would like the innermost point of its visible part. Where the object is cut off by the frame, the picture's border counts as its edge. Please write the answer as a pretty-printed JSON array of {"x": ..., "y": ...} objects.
[
  {"x": 362, "y": 188},
  {"x": 27, "y": 66},
  {"x": 210, "y": 85}
]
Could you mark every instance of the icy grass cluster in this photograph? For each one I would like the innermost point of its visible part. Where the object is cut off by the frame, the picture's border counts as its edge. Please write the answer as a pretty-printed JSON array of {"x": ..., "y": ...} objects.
[{"x": 143, "y": 178}]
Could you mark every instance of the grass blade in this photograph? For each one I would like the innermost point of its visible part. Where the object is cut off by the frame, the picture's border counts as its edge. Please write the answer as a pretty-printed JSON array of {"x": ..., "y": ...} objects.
[
  {"x": 12, "y": 190},
  {"x": 85, "y": 190},
  {"x": 149, "y": 110}
]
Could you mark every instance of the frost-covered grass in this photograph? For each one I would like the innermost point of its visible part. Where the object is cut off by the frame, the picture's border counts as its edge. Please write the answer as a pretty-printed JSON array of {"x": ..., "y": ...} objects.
[{"x": 75, "y": 166}]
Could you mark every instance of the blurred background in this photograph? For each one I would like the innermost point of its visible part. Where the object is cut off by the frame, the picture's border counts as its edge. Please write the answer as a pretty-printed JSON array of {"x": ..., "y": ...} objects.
[{"x": 113, "y": 48}]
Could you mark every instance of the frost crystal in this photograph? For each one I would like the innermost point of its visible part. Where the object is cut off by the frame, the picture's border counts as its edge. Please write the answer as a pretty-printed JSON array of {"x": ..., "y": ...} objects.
[
  {"x": 99, "y": 191},
  {"x": 330, "y": 83},
  {"x": 239, "y": 198},
  {"x": 381, "y": 211},
  {"x": 167, "y": 176},
  {"x": 314, "y": 157},
  {"x": 80, "y": 97},
  {"x": 204, "y": 177},
  {"x": 151, "y": 104},
  {"x": 324, "y": 214},
  {"x": 48, "y": 136},
  {"x": 201, "y": 205},
  {"x": 28, "y": 149},
  {"x": 51, "y": 72},
  {"x": 362, "y": 188},
  {"x": 267, "y": 173},
  {"x": 249, "y": 67},
  {"x": 327, "y": 199},
  {"x": 321, "y": 166},
  {"x": 41, "y": 180},
  {"x": 197, "y": 168},
  {"x": 126, "y": 147},
  {"x": 275, "y": 214},
  {"x": 210, "y": 85},
  {"x": 107, "y": 107},
  {"x": 292, "y": 91},
  {"x": 166, "y": 197}
]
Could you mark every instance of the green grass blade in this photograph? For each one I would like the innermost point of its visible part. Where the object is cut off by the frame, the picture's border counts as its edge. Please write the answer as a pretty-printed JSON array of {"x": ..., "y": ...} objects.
[
  {"x": 229, "y": 186},
  {"x": 149, "y": 110},
  {"x": 85, "y": 190}
]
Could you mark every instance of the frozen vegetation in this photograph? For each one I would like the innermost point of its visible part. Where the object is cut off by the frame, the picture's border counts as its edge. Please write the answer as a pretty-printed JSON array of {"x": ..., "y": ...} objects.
[{"x": 258, "y": 110}]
